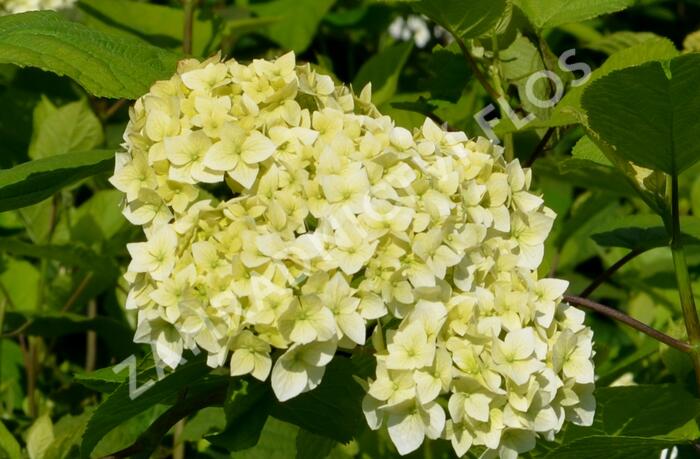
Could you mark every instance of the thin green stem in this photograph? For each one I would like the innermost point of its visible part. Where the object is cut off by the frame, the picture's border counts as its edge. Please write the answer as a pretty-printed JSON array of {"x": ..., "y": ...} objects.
[
  {"x": 685, "y": 291},
  {"x": 3, "y": 304},
  {"x": 189, "y": 6}
]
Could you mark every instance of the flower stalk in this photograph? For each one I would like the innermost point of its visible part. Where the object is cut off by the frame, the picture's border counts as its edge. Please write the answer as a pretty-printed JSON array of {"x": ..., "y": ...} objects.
[
  {"x": 189, "y": 6},
  {"x": 685, "y": 291},
  {"x": 629, "y": 321}
]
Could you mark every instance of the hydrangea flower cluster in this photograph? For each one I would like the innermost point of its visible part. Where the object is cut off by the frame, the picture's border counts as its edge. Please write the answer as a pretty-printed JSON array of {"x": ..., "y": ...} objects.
[
  {"x": 21, "y": 6},
  {"x": 284, "y": 216}
]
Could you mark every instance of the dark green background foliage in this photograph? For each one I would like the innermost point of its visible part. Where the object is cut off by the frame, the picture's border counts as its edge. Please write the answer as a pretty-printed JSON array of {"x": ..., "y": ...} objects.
[{"x": 66, "y": 80}]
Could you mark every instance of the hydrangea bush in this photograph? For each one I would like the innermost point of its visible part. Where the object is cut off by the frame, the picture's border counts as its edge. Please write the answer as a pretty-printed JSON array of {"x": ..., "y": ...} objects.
[{"x": 286, "y": 218}]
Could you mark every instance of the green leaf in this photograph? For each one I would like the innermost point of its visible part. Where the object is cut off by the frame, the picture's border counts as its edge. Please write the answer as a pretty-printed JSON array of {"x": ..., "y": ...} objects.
[
  {"x": 518, "y": 62},
  {"x": 277, "y": 441},
  {"x": 618, "y": 447},
  {"x": 71, "y": 255},
  {"x": 95, "y": 223},
  {"x": 207, "y": 420},
  {"x": 640, "y": 410},
  {"x": 331, "y": 410},
  {"x": 383, "y": 70},
  {"x": 449, "y": 72},
  {"x": 39, "y": 437},
  {"x": 550, "y": 13},
  {"x": 247, "y": 408},
  {"x": 105, "y": 65},
  {"x": 157, "y": 24},
  {"x": 67, "y": 129},
  {"x": 119, "y": 407},
  {"x": 312, "y": 446},
  {"x": 9, "y": 448},
  {"x": 11, "y": 374},
  {"x": 102, "y": 380},
  {"x": 695, "y": 196},
  {"x": 569, "y": 111},
  {"x": 644, "y": 232},
  {"x": 464, "y": 18},
  {"x": 37, "y": 219},
  {"x": 648, "y": 114},
  {"x": 116, "y": 334},
  {"x": 584, "y": 173},
  {"x": 67, "y": 433},
  {"x": 126, "y": 433},
  {"x": 633, "y": 421},
  {"x": 21, "y": 281},
  {"x": 614, "y": 42},
  {"x": 34, "y": 181},
  {"x": 293, "y": 30},
  {"x": 589, "y": 151}
]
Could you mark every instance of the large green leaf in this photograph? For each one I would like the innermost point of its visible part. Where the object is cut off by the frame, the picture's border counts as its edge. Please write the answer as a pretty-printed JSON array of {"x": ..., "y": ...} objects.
[
  {"x": 617, "y": 447},
  {"x": 71, "y": 255},
  {"x": 449, "y": 73},
  {"x": 106, "y": 65},
  {"x": 643, "y": 232},
  {"x": 551, "y": 13},
  {"x": 67, "y": 433},
  {"x": 102, "y": 380},
  {"x": 569, "y": 111},
  {"x": 39, "y": 437},
  {"x": 158, "y": 24},
  {"x": 115, "y": 334},
  {"x": 9, "y": 448},
  {"x": 518, "y": 62},
  {"x": 21, "y": 280},
  {"x": 247, "y": 408},
  {"x": 297, "y": 21},
  {"x": 586, "y": 149},
  {"x": 37, "y": 180},
  {"x": 383, "y": 70},
  {"x": 649, "y": 114},
  {"x": 312, "y": 446},
  {"x": 614, "y": 42},
  {"x": 584, "y": 173},
  {"x": 126, "y": 433},
  {"x": 464, "y": 18},
  {"x": 331, "y": 410},
  {"x": 67, "y": 129},
  {"x": 277, "y": 441},
  {"x": 633, "y": 421},
  {"x": 119, "y": 406},
  {"x": 11, "y": 375}
]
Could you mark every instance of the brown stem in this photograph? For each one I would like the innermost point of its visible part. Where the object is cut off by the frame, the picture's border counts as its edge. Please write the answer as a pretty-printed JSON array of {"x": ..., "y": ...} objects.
[
  {"x": 78, "y": 291},
  {"x": 189, "y": 6},
  {"x": 114, "y": 108},
  {"x": 475, "y": 68},
  {"x": 627, "y": 320},
  {"x": 539, "y": 148},
  {"x": 91, "y": 340},
  {"x": 28, "y": 355},
  {"x": 607, "y": 274},
  {"x": 178, "y": 444}
]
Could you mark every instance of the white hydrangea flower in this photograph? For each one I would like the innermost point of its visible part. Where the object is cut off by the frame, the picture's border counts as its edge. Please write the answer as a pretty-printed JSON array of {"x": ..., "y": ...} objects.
[
  {"x": 283, "y": 215},
  {"x": 411, "y": 28},
  {"x": 22, "y": 6}
]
